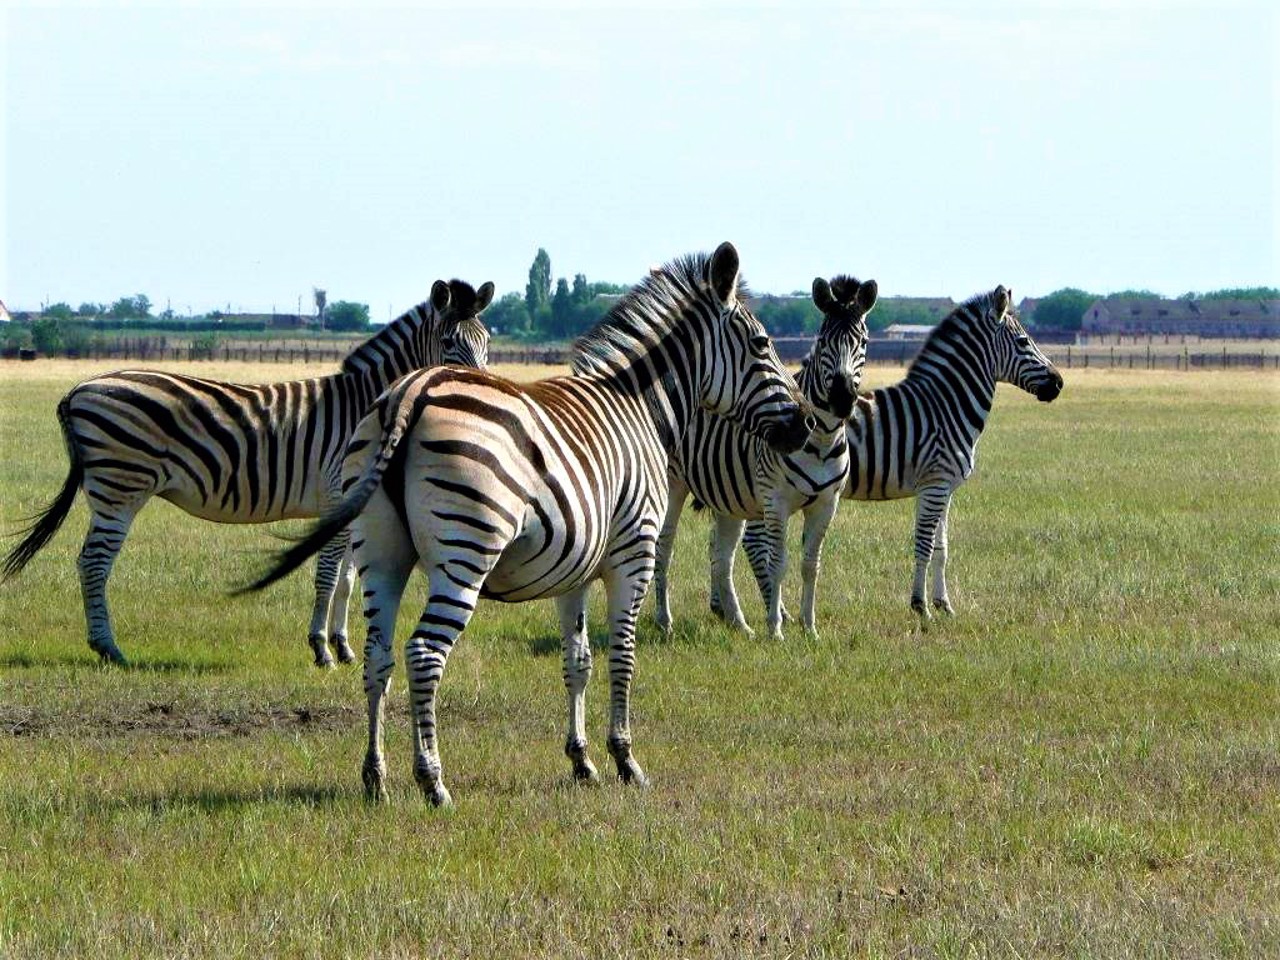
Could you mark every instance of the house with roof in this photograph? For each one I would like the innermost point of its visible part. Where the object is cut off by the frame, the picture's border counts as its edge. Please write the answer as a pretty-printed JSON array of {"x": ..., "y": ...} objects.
[{"x": 1212, "y": 319}]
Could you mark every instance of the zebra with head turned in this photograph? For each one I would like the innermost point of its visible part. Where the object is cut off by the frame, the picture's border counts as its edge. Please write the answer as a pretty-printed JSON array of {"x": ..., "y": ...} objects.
[
  {"x": 919, "y": 437},
  {"x": 741, "y": 478},
  {"x": 238, "y": 453},
  {"x": 517, "y": 492}
]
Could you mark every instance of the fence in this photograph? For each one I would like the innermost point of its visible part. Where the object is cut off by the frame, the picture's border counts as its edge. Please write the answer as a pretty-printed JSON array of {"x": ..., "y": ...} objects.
[{"x": 790, "y": 349}]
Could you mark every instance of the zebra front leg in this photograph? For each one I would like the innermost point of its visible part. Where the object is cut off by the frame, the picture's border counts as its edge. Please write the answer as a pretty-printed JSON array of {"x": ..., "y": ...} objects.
[
  {"x": 677, "y": 493},
  {"x": 759, "y": 555},
  {"x": 725, "y": 534},
  {"x": 930, "y": 505},
  {"x": 328, "y": 566},
  {"x": 577, "y": 673},
  {"x": 453, "y": 589},
  {"x": 817, "y": 519},
  {"x": 338, "y": 610},
  {"x": 102, "y": 545},
  {"x": 941, "y": 601},
  {"x": 625, "y": 594}
]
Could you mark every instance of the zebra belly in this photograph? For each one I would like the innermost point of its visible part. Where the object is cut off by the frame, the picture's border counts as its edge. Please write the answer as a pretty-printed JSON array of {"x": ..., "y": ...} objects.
[{"x": 221, "y": 508}]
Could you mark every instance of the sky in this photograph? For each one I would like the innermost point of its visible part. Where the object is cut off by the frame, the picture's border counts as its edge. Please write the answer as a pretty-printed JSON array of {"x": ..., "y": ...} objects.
[{"x": 228, "y": 155}]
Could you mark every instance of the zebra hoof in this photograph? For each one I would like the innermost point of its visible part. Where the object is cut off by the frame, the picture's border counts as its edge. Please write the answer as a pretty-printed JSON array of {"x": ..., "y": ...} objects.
[
  {"x": 109, "y": 653},
  {"x": 321, "y": 650},
  {"x": 585, "y": 773},
  {"x": 629, "y": 772},
  {"x": 343, "y": 649},
  {"x": 943, "y": 606},
  {"x": 375, "y": 787},
  {"x": 438, "y": 796}
]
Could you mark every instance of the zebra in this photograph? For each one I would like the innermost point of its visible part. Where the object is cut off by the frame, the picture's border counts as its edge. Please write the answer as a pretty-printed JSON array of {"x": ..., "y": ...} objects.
[
  {"x": 919, "y": 437},
  {"x": 741, "y": 478},
  {"x": 237, "y": 453},
  {"x": 517, "y": 492}
]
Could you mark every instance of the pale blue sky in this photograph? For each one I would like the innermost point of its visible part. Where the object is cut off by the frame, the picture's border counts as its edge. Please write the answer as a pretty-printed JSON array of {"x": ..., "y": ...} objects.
[{"x": 242, "y": 154}]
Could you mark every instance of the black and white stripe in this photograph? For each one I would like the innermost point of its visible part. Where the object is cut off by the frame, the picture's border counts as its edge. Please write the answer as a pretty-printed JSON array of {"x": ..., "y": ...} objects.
[
  {"x": 919, "y": 437},
  {"x": 740, "y": 478},
  {"x": 237, "y": 453},
  {"x": 517, "y": 492}
]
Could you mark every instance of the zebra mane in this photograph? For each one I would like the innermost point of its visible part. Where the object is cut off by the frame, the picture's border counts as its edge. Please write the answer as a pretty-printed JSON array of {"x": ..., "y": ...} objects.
[
  {"x": 844, "y": 288},
  {"x": 643, "y": 316},
  {"x": 387, "y": 341},
  {"x": 958, "y": 324},
  {"x": 462, "y": 299}
]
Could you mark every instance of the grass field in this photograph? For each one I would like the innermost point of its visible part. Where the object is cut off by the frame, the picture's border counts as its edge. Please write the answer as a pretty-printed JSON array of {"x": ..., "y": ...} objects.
[{"x": 1084, "y": 762}]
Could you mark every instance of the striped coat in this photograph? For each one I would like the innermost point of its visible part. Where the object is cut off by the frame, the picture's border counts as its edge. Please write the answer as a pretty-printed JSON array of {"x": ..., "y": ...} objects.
[{"x": 236, "y": 453}]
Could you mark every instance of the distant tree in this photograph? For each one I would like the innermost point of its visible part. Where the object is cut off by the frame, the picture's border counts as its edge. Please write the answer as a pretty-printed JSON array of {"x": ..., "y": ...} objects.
[
  {"x": 508, "y": 315},
  {"x": 91, "y": 309},
  {"x": 321, "y": 297},
  {"x": 562, "y": 310},
  {"x": 537, "y": 292},
  {"x": 131, "y": 308},
  {"x": 1243, "y": 293},
  {"x": 345, "y": 315},
  {"x": 787, "y": 316},
  {"x": 1136, "y": 295},
  {"x": 58, "y": 311},
  {"x": 1063, "y": 309},
  {"x": 581, "y": 289},
  {"x": 46, "y": 335}
]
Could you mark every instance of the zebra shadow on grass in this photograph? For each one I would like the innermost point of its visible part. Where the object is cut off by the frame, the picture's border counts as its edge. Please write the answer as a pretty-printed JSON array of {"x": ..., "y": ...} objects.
[{"x": 162, "y": 665}]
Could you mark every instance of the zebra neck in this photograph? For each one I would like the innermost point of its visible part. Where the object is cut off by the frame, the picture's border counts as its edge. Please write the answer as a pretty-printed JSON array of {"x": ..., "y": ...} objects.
[{"x": 969, "y": 388}]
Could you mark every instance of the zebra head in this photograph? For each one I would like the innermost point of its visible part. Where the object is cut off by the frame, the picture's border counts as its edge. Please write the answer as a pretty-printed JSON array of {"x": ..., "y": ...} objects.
[
  {"x": 464, "y": 339},
  {"x": 832, "y": 372},
  {"x": 742, "y": 378},
  {"x": 1018, "y": 360}
]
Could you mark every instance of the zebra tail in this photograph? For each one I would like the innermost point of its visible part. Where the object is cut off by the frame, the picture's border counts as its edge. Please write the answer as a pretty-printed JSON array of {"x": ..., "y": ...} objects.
[
  {"x": 332, "y": 523},
  {"x": 46, "y": 523}
]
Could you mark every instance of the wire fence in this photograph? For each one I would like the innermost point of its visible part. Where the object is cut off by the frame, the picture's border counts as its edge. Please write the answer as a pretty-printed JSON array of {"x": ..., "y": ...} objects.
[{"x": 1155, "y": 357}]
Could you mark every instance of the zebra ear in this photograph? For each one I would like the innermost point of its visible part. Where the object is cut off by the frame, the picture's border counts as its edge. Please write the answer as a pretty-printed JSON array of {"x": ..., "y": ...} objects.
[
  {"x": 440, "y": 296},
  {"x": 722, "y": 272},
  {"x": 484, "y": 296},
  {"x": 822, "y": 296},
  {"x": 868, "y": 293},
  {"x": 1003, "y": 299}
]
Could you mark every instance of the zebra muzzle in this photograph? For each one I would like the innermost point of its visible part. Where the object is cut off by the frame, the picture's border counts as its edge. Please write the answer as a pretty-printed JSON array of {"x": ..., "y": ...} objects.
[{"x": 791, "y": 434}]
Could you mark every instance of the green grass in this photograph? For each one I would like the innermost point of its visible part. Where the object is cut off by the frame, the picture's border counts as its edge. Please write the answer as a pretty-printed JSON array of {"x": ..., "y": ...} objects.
[{"x": 1085, "y": 762}]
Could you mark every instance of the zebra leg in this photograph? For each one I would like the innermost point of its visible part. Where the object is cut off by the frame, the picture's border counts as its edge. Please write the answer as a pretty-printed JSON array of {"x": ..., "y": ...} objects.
[
  {"x": 102, "y": 545},
  {"x": 756, "y": 543},
  {"x": 626, "y": 594},
  {"x": 577, "y": 673},
  {"x": 817, "y": 518},
  {"x": 677, "y": 494},
  {"x": 941, "y": 601},
  {"x": 724, "y": 547},
  {"x": 775, "y": 532},
  {"x": 338, "y": 610},
  {"x": 931, "y": 502},
  {"x": 453, "y": 589},
  {"x": 383, "y": 588},
  {"x": 328, "y": 566}
]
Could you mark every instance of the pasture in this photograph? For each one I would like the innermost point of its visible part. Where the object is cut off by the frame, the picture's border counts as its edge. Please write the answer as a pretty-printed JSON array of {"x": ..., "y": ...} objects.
[{"x": 1084, "y": 762}]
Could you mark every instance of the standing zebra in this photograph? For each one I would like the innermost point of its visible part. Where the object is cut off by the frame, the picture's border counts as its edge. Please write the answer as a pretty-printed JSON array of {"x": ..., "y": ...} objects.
[
  {"x": 238, "y": 453},
  {"x": 919, "y": 437},
  {"x": 517, "y": 492},
  {"x": 741, "y": 478}
]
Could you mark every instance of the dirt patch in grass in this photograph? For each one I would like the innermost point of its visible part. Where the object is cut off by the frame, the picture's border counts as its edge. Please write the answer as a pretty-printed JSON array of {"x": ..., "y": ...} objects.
[{"x": 172, "y": 719}]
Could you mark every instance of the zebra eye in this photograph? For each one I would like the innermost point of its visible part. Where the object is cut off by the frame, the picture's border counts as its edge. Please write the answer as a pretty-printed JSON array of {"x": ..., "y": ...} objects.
[
  {"x": 1022, "y": 340},
  {"x": 760, "y": 342}
]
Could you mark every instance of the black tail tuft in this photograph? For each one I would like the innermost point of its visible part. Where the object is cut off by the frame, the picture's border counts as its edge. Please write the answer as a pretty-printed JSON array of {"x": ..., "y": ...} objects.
[{"x": 698, "y": 505}]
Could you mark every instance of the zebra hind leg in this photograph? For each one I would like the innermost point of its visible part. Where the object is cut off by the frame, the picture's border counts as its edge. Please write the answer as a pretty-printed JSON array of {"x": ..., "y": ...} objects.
[
  {"x": 626, "y": 594},
  {"x": 383, "y": 589},
  {"x": 338, "y": 611},
  {"x": 941, "y": 602},
  {"x": 756, "y": 544},
  {"x": 572, "y": 608},
  {"x": 328, "y": 568},
  {"x": 102, "y": 545}
]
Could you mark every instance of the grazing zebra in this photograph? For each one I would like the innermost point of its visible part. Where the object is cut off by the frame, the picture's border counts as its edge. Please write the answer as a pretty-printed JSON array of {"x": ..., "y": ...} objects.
[
  {"x": 238, "y": 453},
  {"x": 517, "y": 492},
  {"x": 741, "y": 478},
  {"x": 919, "y": 437}
]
